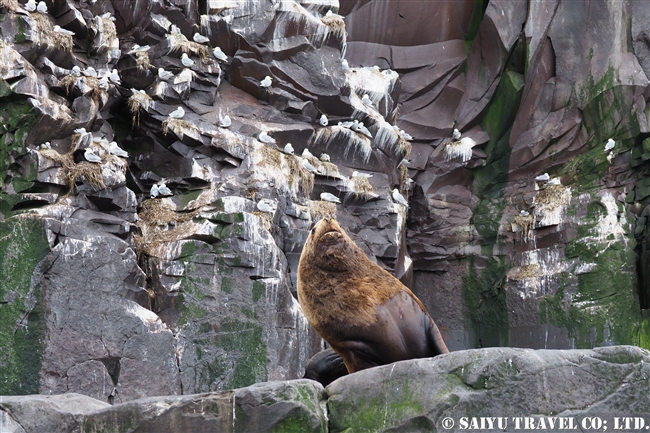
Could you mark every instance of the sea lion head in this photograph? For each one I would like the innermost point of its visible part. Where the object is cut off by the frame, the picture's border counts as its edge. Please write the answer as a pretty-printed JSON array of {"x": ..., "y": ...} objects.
[{"x": 330, "y": 248}]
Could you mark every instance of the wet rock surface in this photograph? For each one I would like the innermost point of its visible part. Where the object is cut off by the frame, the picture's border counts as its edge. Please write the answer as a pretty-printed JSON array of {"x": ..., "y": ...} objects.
[{"x": 550, "y": 390}]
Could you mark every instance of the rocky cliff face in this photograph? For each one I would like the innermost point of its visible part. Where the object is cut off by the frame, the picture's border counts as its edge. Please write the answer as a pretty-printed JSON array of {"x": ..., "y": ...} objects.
[{"x": 116, "y": 294}]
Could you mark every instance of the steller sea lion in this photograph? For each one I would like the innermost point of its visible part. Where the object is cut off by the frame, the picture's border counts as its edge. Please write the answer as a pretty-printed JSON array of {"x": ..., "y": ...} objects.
[{"x": 364, "y": 313}]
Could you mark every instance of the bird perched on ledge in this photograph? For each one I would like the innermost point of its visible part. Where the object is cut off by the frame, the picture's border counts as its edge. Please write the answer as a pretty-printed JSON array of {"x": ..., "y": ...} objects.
[
  {"x": 399, "y": 198},
  {"x": 266, "y": 82},
  {"x": 265, "y": 138}
]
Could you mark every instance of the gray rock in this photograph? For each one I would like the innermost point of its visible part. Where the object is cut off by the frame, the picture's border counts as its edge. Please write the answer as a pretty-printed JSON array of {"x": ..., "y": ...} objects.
[
  {"x": 41, "y": 413},
  {"x": 417, "y": 395},
  {"x": 273, "y": 406}
]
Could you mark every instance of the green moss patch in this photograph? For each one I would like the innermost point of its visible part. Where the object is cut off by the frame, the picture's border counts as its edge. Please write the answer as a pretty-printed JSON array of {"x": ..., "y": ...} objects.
[
  {"x": 483, "y": 296},
  {"x": 23, "y": 247},
  {"x": 601, "y": 306}
]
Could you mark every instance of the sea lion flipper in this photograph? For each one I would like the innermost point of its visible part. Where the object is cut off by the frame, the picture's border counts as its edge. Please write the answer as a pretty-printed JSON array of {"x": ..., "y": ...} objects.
[
  {"x": 435, "y": 340},
  {"x": 325, "y": 367},
  {"x": 358, "y": 354}
]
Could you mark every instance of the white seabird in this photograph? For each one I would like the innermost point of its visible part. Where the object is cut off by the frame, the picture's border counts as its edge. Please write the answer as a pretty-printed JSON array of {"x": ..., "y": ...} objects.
[
  {"x": 347, "y": 125},
  {"x": 306, "y": 153},
  {"x": 358, "y": 127},
  {"x": 90, "y": 156},
  {"x": 116, "y": 150},
  {"x": 177, "y": 113},
  {"x": 80, "y": 131},
  {"x": 323, "y": 120},
  {"x": 41, "y": 7},
  {"x": 456, "y": 134},
  {"x": 610, "y": 145},
  {"x": 224, "y": 121},
  {"x": 186, "y": 61},
  {"x": 345, "y": 66},
  {"x": 59, "y": 29},
  {"x": 266, "y": 82},
  {"x": 153, "y": 192},
  {"x": 307, "y": 166},
  {"x": 324, "y": 157},
  {"x": 114, "y": 76},
  {"x": 399, "y": 198},
  {"x": 174, "y": 30},
  {"x": 610, "y": 157},
  {"x": 103, "y": 83},
  {"x": 45, "y": 145},
  {"x": 138, "y": 49},
  {"x": 543, "y": 178},
  {"x": 219, "y": 54},
  {"x": 267, "y": 205},
  {"x": 524, "y": 213},
  {"x": 164, "y": 75},
  {"x": 326, "y": 196},
  {"x": 366, "y": 100},
  {"x": 30, "y": 6},
  {"x": 288, "y": 149},
  {"x": 357, "y": 174},
  {"x": 90, "y": 72},
  {"x": 138, "y": 91},
  {"x": 555, "y": 181},
  {"x": 405, "y": 135},
  {"x": 265, "y": 138},
  {"x": 75, "y": 71},
  {"x": 200, "y": 39},
  {"x": 164, "y": 191}
]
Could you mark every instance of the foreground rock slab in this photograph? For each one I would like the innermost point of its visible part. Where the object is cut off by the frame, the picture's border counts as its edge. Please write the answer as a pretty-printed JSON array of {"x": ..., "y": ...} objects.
[
  {"x": 564, "y": 387},
  {"x": 419, "y": 395},
  {"x": 297, "y": 405}
]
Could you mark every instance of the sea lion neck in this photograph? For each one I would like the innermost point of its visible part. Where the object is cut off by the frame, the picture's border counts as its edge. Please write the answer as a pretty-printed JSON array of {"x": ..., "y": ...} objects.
[{"x": 331, "y": 249}]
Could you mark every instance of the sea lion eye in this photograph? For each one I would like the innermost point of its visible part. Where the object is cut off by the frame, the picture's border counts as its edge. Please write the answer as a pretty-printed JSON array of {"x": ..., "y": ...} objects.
[{"x": 311, "y": 232}]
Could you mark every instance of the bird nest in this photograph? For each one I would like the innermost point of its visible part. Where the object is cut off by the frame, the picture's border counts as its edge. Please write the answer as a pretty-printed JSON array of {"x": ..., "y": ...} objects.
[
  {"x": 109, "y": 30},
  {"x": 336, "y": 26},
  {"x": 10, "y": 5},
  {"x": 88, "y": 172},
  {"x": 160, "y": 223},
  {"x": 525, "y": 225},
  {"x": 271, "y": 157},
  {"x": 65, "y": 160},
  {"x": 525, "y": 272},
  {"x": 322, "y": 209},
  {"x": 330, "y": 169},
  {"x": 138, "y": 102},
  {"x": 297, "y": 176},
  {"x": 361, "y": 185},
  {"x": 68, "y": 82},
  {"x": 43, "y": 26},
  {"x": 552, "y": 197},
  {"x": 93, "y": 83},
  {"x": 404, "y": 148},
  {"x": 459, "y": 149},
  {"x": 178, "y": 41},
  {"x": 302, "y": 176},
  {"x": 178, "y": 127},
  {"x": 403, "y": 178},
  {"x": 142, "y": 60}
]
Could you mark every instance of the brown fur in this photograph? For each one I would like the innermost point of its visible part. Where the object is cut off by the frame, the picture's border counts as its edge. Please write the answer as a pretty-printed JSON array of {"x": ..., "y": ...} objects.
[{"x": 366, "y": 315}]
